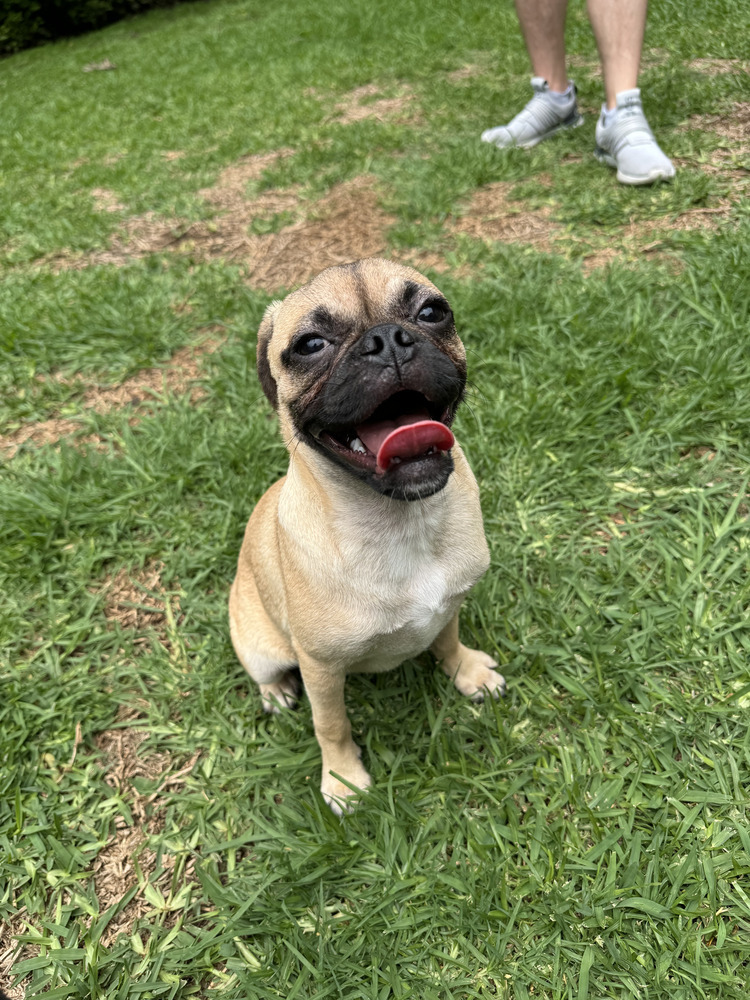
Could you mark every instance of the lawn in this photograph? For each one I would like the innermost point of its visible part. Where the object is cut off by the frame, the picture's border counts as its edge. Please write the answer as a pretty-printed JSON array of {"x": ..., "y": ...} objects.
[{"x": 586, "y": 837}]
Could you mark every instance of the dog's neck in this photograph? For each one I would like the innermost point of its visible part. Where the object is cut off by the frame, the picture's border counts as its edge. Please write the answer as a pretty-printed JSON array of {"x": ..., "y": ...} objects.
[
  {"x": 342, "y": 499},
  {"x": 339, "y": 526}
]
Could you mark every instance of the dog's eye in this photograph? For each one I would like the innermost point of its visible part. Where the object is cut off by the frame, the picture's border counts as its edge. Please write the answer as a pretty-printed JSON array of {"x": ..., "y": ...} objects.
[
  {"x": 309, "y": 345},
  {"x": 433, "y": 312}
]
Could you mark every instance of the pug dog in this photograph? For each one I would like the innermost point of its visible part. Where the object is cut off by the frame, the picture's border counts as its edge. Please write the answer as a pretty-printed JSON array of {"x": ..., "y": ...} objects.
[{"x": 360, "y": 556}]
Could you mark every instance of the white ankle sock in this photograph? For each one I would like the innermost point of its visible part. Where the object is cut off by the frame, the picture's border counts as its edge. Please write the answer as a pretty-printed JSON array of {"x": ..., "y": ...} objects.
[{"x": 563, "y": 97}]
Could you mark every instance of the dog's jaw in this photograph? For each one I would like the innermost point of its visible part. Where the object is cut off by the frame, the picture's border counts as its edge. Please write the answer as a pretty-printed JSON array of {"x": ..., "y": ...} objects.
[{"x": 421, "y": 469}]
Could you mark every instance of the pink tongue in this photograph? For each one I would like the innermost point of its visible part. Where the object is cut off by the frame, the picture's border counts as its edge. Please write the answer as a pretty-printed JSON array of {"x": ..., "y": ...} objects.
[{"x": 403, "y": 437}]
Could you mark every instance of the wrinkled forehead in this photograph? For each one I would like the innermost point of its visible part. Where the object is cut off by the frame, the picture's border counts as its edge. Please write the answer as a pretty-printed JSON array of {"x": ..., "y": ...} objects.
[{"x": 364, "y": 293}]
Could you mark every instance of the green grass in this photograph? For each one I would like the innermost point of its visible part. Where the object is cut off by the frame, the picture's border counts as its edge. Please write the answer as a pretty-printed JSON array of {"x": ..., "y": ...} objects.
[{"x": 588, "y": 837}]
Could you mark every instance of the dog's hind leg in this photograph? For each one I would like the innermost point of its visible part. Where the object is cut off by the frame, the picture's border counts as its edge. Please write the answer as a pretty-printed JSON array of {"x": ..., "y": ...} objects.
[
  {"x": 472, "y": 671},
  {"x": 262, "y": 649}
]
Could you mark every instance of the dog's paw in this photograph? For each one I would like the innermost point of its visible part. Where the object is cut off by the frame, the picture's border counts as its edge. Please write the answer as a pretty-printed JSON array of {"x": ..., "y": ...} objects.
[
  {"x": 281, "y": 694},
  {"x": 340, "y": 797},
  {"x": 475, "y": 675}
]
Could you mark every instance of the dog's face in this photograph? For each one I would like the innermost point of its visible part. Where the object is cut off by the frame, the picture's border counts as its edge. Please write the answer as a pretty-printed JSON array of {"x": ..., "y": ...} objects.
[{"x": 364, "y": 365}]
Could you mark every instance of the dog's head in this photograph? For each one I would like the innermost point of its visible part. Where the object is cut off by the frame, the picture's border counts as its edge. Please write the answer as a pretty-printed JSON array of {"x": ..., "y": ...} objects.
[{"x": 364, "y": 366}]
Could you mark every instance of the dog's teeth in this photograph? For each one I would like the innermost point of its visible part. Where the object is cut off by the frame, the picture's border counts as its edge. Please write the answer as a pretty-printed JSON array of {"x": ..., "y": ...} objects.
[
  {"x": 356, "y": 445},
  {"x": 395, "y": 460}
]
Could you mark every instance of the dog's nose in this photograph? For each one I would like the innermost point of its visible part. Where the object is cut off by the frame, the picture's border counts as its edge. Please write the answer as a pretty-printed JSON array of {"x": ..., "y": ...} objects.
[{"x": 387, "y": 343}]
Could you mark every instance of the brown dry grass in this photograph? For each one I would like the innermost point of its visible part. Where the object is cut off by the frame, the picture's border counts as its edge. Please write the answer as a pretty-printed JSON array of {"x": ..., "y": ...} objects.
[
  {"x": 731, "y": 157},
  {"x": 9, "y": 957},
  {"x": 137, "y": 600},
  {"x": 44, "y": 432},
  {"x": 600, "y": 258},
  {"x": 716, "y": 67},
  {"x": 491, "y": 215},
  {"x": 425, "y": 260},
  {"x": 106, "y": 200},
  {"x": 150, "y": 233},
  {"x": 127, "y": 860},
  {"x": 649, "y": 236},
  {"x": 467, "y": 72},
  {"x": 588, "y": 65},
  {"x": 180, "y": 376},
  {"x": 733, "y": 125},
  {"x": 345, "y": 224},
  {"x": 364, "y": 102}
]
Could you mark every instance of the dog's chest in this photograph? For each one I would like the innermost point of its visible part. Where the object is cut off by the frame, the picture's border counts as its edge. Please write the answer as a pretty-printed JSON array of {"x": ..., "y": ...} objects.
[
  {"x": 409, "y": 586},
  {"x": 377, "y": 579}
]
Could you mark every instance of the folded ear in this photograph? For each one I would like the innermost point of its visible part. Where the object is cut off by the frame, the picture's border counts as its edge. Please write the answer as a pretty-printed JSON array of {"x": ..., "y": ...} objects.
[{"x": 265, "y": 330}]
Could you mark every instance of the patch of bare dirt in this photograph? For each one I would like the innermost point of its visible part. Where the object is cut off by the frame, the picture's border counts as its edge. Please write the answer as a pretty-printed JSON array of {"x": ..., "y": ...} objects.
[
  {"x": 651, "y": 235},
  {"x": 229, "y": 192},
  {"x": 180, "y": 376},
  {"x": 693, "y": 218},
  {"x": 346, "y": 224},
  {"x": 106, "y": 200},
  {"x": 655, "y": 57},
  {"x": 9, "y": 957},
  {"x": 467, "y": 72},
  {"x": 734, "y": 125},
  {"x": 137, "y": 600},
  {"x": 365, "y": 102},
  {"x": 127, "y": 860},
  {"x": 121, "y": 761},
  {"x": 600, "y": 258},
  {"x": 424, "y": 260},
  {"x": 227, "y": 236},
  {"x": 492, "y": 215},
  {"x": 717, "y": 67},
  {"x": 592, "y": 66},
  {"x": 99, "y": 67},
  {"x": 732, "y": 157},
  {"x": 44, "y": 432}
]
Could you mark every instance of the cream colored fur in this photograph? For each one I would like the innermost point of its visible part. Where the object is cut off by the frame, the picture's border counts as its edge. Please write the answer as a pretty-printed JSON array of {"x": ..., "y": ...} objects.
[{"x": 338, "y": 579}]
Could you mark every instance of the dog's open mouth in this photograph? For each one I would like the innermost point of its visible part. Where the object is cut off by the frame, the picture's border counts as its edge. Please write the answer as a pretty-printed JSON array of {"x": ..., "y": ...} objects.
[{"x": 404, "y": 428}]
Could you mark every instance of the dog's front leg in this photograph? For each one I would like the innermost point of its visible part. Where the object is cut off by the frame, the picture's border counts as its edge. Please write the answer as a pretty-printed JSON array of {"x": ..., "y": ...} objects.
[
  {"x": 472, "y": 671},
  {"x": 325, "y": 689}
]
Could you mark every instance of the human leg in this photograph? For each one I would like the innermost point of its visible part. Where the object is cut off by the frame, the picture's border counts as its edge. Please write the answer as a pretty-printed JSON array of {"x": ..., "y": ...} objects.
[
  {"x": 543, "y": 28},
  {"x": 618, "y": 27},
  {"x": 624, "y": 139},
  {"x": 553, "y": 106}
]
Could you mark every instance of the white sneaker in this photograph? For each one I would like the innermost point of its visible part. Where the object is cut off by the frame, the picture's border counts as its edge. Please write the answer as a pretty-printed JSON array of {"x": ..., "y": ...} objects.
[
  {"x": 628, "y": 143},
  {"x": 542, "y": 117}
]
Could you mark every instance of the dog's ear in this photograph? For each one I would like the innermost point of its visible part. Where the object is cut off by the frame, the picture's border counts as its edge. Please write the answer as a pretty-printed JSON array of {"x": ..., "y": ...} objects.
[{"x": 265, "y": 330}]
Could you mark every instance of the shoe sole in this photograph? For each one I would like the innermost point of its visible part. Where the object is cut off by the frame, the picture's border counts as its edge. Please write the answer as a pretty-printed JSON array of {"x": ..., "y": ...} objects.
[
  {"x": 530, "y": 143},
  {"x": 635, "y": 180}
]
